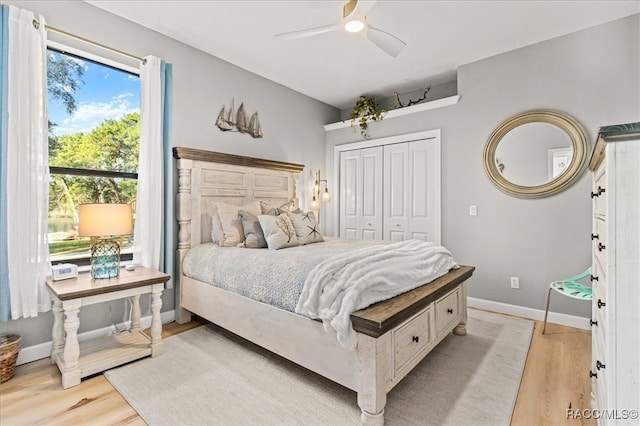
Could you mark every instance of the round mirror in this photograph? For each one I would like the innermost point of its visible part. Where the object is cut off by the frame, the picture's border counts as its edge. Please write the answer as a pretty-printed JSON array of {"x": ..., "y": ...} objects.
[{"x": 536, "y": 154}]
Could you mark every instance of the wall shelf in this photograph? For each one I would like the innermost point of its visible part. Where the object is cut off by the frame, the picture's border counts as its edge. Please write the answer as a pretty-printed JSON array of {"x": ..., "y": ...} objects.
[{"x": 438, "y": 103}]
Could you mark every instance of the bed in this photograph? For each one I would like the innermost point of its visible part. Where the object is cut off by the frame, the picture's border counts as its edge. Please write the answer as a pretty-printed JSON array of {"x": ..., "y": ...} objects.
[{"x": 393, "y": 336}]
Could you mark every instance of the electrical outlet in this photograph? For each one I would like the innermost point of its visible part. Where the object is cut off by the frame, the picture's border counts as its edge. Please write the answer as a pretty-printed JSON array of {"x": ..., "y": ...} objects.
[{"x": 515, "y": 282}]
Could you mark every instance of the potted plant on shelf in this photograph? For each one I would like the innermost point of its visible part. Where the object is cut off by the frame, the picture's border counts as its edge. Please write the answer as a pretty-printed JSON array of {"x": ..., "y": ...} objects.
[{"x": 366, "y": 109}]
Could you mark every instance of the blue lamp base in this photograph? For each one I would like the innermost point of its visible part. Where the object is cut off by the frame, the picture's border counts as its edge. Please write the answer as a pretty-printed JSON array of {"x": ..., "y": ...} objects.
[{"x": 105, "y": 259}]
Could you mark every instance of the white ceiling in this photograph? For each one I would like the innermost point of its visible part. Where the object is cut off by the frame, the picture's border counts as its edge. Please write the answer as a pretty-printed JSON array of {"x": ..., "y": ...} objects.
[{"x": 337, "y": 67}]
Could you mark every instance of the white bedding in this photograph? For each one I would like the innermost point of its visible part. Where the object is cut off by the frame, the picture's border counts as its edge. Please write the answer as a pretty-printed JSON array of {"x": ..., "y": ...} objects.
[
  {"x": 327, "y": 280},
  {"x": 275, "y": 277},
  {"x": 345, "y": 283}
]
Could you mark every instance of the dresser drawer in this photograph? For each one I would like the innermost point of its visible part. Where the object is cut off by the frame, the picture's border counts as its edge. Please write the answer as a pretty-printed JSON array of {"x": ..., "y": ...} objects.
[
  {"x": 447, "y": 313},
  {"x": 599, "y": 194},
  {"x": 599, "y": 281},
  {"x": 411, "y": 339},
  {"x": 599, "y": 239}
]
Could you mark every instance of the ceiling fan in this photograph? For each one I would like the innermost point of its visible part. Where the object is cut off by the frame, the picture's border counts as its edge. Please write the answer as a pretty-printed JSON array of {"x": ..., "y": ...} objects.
[{"x": 354, "y": 20}]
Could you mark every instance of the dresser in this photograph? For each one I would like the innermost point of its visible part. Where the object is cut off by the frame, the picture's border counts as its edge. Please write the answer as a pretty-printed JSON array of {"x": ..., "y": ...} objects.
[{"x": 615, "y": 369}]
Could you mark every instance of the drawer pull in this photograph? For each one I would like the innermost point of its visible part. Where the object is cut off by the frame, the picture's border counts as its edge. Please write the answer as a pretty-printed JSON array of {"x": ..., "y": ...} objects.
[
  {"x": 597, "y": 194},
  {"x": 592, "y": 323},
  {"x": 593, "y": 278},
  {"x": 416, "y": 339},
  {"x": 601, "y": 247},
  {"x": 449, "y": 311},
  {"x": 592, "y": 374},
  {"x": 594, "y": 237},
  {"x": 601, "y": 303},
  {"x": 600, "y": 365}
]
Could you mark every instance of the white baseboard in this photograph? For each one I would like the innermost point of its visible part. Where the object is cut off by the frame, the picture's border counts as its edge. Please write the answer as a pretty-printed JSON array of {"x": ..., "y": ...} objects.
[
  {"x": 43, "y": 350},
  {"x": 530, "y": 313}
]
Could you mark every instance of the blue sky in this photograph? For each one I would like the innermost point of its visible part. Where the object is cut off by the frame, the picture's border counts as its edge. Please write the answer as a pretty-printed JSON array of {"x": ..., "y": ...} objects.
[{"x": 105, "y": 94}]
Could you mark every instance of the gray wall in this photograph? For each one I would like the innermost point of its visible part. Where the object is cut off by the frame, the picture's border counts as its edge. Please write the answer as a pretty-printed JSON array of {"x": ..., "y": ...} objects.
[
  {"x": 593, "y": 75},
  {"x": 292, "y": 123}
]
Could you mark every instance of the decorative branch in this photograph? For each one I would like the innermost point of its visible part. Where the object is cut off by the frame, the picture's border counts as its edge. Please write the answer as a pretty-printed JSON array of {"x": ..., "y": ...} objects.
[
  {"x": 411, "y": 102},
  {"x": 424, "y": 96},
  {"x": 400, "y": 105}
]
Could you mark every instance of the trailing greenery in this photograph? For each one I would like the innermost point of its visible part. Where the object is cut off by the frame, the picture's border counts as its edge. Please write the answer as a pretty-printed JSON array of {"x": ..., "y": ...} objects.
[{"x": 366, "y": 109}]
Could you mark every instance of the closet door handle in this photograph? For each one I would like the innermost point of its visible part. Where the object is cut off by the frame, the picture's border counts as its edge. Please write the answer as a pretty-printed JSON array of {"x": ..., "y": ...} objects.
[
  {"x": 592, "y": 374},
  {"x": 593, "y": 278},
  {"x": 601, "y": 304},
  {"x": 600, "y": 365},
  {"x": 601, "y": 247},
  {"x": 450, "y": 311},
  {"x": 415, "y": 339},
  {"x": 592, "y": 323},
  {"x": 594, "y": 237}
]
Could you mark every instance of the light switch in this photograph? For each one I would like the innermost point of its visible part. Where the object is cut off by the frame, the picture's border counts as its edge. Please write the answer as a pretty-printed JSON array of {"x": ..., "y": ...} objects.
[{"x": 473, "y": 210}]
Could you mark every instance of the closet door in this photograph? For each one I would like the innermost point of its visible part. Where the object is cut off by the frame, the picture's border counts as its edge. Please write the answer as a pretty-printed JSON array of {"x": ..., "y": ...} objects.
[
  {"x": 361, "y": 193},
  {"x": 396, "y": 192},
  {"x": 412, "y": 191}
]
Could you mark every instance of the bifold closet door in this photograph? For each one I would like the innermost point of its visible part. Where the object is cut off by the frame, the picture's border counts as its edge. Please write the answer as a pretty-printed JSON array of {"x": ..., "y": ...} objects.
[
  {"x": 412, "y": 191},
  {"x": 361, "y": 193}
]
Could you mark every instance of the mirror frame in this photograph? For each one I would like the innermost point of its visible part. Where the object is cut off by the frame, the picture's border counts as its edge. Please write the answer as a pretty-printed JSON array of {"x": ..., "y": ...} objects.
[{"x": 559, "y": 183}]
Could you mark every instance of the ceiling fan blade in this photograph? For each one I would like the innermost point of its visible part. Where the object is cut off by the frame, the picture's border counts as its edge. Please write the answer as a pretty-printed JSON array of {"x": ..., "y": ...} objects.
[
  {"x": 389, "y": 43},
  {"x": 309, "y": 32},
  {"x": 357, "y": 7},
  {"x": 349, "y": 7}
]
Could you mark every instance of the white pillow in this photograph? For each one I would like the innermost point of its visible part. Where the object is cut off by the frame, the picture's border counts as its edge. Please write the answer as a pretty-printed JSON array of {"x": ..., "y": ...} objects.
[
  {"x": 226, "y": 225},
  {"x": 306, "y": 226},
  {"x": 278, "y": 231}
]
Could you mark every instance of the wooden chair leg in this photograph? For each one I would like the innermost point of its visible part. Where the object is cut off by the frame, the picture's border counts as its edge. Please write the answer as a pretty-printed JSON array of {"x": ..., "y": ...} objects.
[{"x": 546, "y": 312}]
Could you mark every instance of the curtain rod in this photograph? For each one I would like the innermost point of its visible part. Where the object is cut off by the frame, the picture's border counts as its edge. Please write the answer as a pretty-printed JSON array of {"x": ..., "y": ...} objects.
[{"x": 36, "y": 24}]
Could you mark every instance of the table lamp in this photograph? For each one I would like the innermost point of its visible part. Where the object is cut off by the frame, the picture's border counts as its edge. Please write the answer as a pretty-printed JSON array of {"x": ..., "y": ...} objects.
[{"x": 105, "y": 224}]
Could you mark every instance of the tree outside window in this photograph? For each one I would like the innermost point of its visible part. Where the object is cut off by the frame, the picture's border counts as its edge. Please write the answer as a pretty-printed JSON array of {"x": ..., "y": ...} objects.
[{"x": 93, "y": 146}]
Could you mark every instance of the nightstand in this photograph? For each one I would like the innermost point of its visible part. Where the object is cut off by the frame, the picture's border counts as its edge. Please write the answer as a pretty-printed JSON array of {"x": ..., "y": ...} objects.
[{"x": 95, "y": 355}]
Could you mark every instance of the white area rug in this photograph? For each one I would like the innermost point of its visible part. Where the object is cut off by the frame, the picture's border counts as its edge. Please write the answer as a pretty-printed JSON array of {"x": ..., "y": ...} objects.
[{"x": 208, "y": 376}]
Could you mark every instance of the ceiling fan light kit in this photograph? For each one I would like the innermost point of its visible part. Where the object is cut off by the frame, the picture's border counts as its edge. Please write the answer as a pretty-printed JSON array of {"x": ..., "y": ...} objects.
[
  {"x": 354, "y": 25},
  {"x": 354, "y": 15}
]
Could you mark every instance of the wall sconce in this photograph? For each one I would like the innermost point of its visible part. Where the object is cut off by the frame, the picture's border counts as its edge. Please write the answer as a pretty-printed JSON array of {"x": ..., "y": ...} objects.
[
  {"x": 105, "y": 224},
  {"x": 326, "y": 197}
]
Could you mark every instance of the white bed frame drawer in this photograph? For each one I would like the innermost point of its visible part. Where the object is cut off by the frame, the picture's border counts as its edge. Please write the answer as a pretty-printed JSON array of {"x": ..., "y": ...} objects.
[
  {"x": 447, "y": 312},
  {"x": 412, "y": 338}
]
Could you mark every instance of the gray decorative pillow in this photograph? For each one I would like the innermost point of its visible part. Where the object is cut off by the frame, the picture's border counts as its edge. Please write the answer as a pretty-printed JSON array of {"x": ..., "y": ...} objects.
[
  {"x": 306, "y": 226},
  {"x": 278, "y": 231},
  {"x": 226, "y": 226},
  {"x": 253, "y": 235}
]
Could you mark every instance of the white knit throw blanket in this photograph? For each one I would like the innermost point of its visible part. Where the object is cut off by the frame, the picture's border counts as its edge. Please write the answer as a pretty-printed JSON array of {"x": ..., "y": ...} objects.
[{"x": 345, "y": 283}]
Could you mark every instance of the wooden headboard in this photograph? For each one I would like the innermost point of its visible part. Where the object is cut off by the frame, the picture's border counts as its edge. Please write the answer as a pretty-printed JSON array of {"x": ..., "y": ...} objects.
[{"x": 206, "y": 177}]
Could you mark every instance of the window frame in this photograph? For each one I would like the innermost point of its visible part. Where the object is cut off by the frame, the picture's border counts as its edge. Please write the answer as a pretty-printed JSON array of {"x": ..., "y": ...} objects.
[{"x": 55, "y": 170}]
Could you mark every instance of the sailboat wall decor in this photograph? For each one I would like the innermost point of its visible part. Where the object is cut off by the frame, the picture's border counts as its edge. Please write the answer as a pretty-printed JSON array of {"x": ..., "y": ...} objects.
[{"x": 230, "y": 121}]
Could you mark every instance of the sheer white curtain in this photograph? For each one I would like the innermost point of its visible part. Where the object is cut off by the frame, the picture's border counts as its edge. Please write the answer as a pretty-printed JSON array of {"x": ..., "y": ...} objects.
[
  {"x": 148, "y": 231},
  {"x": 27, "y": 165}
]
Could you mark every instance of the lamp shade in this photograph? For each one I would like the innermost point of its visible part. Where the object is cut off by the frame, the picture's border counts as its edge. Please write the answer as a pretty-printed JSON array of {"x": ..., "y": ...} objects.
[{"x": 98, "y": 220}]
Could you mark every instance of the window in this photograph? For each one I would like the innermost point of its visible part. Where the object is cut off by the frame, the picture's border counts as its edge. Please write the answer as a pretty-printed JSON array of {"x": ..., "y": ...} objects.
[{"x": 94, "y": 112}]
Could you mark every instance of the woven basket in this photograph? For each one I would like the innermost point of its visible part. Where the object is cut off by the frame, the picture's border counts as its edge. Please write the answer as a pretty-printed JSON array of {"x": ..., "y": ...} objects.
[{"x": 9, "y": 348}]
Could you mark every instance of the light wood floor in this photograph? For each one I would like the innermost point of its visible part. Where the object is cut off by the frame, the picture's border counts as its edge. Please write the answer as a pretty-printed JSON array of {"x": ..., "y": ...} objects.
[{"x": 556, "y": 377}]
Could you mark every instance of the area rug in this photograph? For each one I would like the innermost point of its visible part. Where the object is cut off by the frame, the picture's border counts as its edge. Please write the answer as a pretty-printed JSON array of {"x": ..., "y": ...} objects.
[{"x": 208, "y": 376}]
